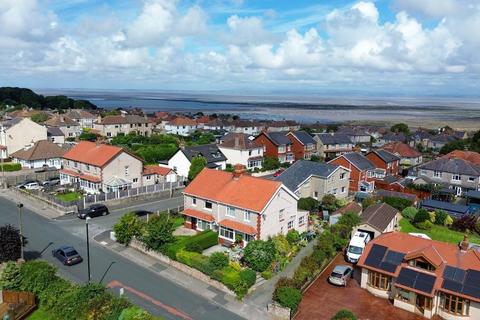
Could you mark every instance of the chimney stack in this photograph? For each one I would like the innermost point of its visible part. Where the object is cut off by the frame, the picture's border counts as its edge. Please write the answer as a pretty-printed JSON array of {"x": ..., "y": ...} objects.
[
  {"x": 237, "y": 141},
  {"x": 464, "y": 244},
  {"x": 238, "y": 171}
]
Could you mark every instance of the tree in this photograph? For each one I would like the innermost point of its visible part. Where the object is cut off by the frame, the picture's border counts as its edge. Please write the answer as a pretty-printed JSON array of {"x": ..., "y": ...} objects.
[
  {"x": 310, "y": 204},
  {"x": 39, "y": 117},
  {"x": 10, "y": 279},
  {"x": 259, "y": 254},
  {"x": 271, "y": 163},
  {"x": 158, "y": 232},
  {"x": 197, "y": 165},
  {"x": 128, "y": 227},
  {"x": 329, "y": 202},
  {"x": 344, "y": 314},
  {"x": 349, "y": 219},
  {"x": 367, "y": 202},
  {"x": 440, "y": 217},
  {"x": 421, "y": 216},
  {"x": 88, "y": 136},
  {"x": 397, "y": 203},
  {"x": 409, "y": 212},
  {"x": 10, "y": 243},
  {"x": 293, "y": 236},
  {"x": 400, "y": 128}
]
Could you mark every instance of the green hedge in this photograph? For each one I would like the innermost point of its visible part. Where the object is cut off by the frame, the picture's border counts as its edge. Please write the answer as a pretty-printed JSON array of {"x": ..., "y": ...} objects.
[
  {"x": 9, "y": 167},
  {"x": 196, "y": 243},
  {"x": 205, "y": 239}
]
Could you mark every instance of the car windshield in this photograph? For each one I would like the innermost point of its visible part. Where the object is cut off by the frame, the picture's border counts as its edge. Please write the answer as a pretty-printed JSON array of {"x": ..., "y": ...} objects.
[
  {"x": 337, "y": 275},
  {"x": 355, "y": 250},
  {"x": 71, "y": 253}
]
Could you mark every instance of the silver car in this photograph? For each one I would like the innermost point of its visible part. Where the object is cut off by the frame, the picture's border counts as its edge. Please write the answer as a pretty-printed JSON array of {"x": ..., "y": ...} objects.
[{"x": 340, "y": 275}]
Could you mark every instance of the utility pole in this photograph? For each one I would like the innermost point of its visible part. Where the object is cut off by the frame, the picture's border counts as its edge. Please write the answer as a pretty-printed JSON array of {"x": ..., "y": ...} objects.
[
  {"x": 20, "y": 225},
  {"x": 88, "y": 248},
  {"x": 4, "y": 185}
]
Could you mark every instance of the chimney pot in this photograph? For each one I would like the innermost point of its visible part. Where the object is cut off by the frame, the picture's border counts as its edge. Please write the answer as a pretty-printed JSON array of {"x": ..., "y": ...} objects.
[
  {"x": 238, "y": 171},
  {"x": 464, "y": 244}
]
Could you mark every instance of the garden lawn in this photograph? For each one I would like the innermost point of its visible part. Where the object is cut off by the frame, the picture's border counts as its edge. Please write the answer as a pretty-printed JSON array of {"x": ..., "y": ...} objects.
[
  {"x": 437, "y": 232},
  {"x": 178, "y": 221},
  {"x": 69, "y": 196},
  {"x": 39, "y": 314}
]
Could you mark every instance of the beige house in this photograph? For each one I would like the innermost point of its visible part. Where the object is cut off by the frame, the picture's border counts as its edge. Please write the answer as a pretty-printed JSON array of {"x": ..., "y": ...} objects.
[
  {"x": 111, "y": 126},
  {"x": 19, "y": 133},
  {"x": 315, "y": 179},
  {"x": 101, "y": 167},
  {"x": 83, "y": 117},
  {"x": 240, "y": 206},
  {"x": 69, "y": 127}
]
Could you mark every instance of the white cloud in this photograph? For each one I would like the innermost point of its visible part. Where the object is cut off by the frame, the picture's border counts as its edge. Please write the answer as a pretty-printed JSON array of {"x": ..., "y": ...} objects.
[{"x": 431, "y": 8}]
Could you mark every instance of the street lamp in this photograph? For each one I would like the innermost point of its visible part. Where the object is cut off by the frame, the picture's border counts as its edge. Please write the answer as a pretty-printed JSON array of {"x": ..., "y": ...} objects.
[
  {"x": 88, "y": 248},
  {"x": 20, "y": 224}
]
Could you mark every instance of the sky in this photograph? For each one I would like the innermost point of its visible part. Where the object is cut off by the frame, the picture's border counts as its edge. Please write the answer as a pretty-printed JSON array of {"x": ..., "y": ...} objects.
[{"x": 338, "y": 47}]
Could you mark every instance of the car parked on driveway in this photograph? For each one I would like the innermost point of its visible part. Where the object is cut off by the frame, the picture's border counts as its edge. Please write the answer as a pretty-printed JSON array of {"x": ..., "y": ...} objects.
[
  {"x": 95, "y": 210},
  {"x": 340, "y": 275},
  {"x": 67, "y": 255},
  {"x": 277, "y": 173},
  {"x": 30, "y": 185},
  {"x": 51, "y": 182}
]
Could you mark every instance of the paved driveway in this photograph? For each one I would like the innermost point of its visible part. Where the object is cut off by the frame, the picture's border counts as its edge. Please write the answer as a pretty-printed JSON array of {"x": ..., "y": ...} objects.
[{"x": 322, "y": 300}]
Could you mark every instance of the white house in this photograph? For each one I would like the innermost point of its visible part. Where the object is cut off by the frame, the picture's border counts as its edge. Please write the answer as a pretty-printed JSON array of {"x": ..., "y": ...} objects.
[
  {"x": 18, "y": 133},
  {"x": 154, "y": 174},
  {"x": 181, "y": 126},
  {"x": 41, "y": 153},
  {"x": 239, "y": 149}
]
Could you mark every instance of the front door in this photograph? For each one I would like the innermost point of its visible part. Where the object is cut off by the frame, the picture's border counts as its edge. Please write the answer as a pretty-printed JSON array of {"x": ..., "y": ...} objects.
[
  {"x": 194, "y": 223},
  {"x": 422, "y": 303}
]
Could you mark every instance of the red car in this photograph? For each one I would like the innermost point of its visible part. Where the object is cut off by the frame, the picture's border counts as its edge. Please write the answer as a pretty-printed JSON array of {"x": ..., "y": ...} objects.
[{"x": 277, "y": 173}]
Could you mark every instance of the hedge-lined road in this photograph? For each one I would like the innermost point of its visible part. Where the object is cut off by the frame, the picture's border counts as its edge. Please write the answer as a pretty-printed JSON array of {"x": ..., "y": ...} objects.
[{"x": 144, "y": 287}]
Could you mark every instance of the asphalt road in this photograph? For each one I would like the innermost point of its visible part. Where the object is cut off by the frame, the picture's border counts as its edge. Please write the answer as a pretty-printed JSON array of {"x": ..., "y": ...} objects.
[{"x": 154, "y": 292}]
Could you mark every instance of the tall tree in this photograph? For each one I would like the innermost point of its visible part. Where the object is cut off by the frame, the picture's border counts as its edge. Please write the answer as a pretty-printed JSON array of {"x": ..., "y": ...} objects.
[
  {"x": 197, "y": 165},
  {"x": 10, "y": 244}
]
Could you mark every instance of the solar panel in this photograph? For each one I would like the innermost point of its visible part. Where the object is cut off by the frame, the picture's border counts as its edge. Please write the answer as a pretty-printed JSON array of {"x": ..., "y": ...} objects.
[
  {"x": 424, "y": 282},
  {"x": 459, "y": 275},
  {"x": 387, "y": 266},
  {"x": 449, "y": 272},
  {"x": 452, "y": 285},
  {"x": 473, "y": 277},
  {"x": 394, "y": 257},
  {"x": 407, "y": 277},
  {"x": 470, "y": 290},
  {"x": 375, "y": 255}
]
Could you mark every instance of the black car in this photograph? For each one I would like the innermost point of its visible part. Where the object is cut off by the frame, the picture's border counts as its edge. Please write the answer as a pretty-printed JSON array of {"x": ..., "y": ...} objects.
[
  {"x": 67, "y": 255},
  {"x": 95, "y": 210},
  {"x": 142, "y": 213}
]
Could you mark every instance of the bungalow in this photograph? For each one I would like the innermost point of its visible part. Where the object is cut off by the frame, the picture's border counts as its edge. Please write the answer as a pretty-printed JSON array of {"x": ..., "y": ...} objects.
[
  {"x": 55, "y": 135},
  {"x": 408, "y": 155},
  {"x": 182, "y": 159},
  {"x": 101, "y": 167},
  {"x": 218, "y": 125},
  {"x": 362, "y": 171},
  {"x": 241, "y": 207},
  {"x": 42, "y": 153},
  {"x": 276, "y": 145},
  {"x": 331, "y": 145},
  {"x": 18, "y": 133},
  {"x": 315, "y": 179},
  {"x": 385, "y": 160},
  {"x": 239, "y": 149},
  {"x": 69, "y": 127},
  {"x": 303, "y": 145},
  {"x": 154, "y": 174},
  {"x": 426, "y": 277},
  {"x": 182, "y": 126},
  {"x": 377, "y": 219}
]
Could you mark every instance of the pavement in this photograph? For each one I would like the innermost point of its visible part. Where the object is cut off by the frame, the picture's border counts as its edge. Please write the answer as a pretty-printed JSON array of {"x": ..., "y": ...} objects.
[
  {"x": 322, "y": 300},
  {"x": 146, "y": 282}
]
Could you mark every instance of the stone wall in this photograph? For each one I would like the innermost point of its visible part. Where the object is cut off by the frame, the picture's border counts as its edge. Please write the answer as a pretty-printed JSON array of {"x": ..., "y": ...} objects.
[{"x": 278, "y": 312}]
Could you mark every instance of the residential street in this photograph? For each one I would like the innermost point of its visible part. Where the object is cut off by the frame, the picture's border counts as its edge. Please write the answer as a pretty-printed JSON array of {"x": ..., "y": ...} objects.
[{"x": 144, "y": 286}]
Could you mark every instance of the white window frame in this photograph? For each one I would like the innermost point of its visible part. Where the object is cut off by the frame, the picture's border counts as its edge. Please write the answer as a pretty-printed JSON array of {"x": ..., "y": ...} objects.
[
  {"x": 205, "y": 205},
  {"x": 229, "y": 212},
  {"x": 290, "y": 224},
  {"x": 437, "y": 174},
  {"x": 281, "y": 214},
  {"x": 456, "y": 177},
  {"x": 194, "y": 201},
  {"x": 247, "y": 216}
]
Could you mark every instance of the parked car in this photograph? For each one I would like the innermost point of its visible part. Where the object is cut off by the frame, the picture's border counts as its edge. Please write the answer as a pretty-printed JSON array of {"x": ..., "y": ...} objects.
[
  {"x": 51, "y": 182},
  {"x": 141, "y": 213},
  {"x": 67, "y": 255},
  {"x": 340, "y": 275},
  {"x": 95, "y": 210},
  {"x": 30, "y": 185},
  {"x": 44, "y": 168},
  {"x": 277, "y": 173}
]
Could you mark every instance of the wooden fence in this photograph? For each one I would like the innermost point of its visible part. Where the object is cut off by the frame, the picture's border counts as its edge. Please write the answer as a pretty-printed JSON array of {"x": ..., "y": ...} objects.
[{"x": 19, "y": 303}]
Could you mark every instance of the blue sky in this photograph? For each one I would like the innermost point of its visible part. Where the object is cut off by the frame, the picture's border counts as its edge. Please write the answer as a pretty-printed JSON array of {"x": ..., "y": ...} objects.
[{"x": 338, "y": 47}]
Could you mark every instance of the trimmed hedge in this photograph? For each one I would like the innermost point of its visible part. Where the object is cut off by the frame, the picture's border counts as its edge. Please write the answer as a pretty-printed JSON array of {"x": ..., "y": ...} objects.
[
  {"x": 10, "y": 167},
  {"x": 205, "y": 239}
]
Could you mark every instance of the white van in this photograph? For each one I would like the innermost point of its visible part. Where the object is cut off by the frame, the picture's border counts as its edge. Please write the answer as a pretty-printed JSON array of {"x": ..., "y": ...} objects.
[{"x": 357, "y": 245}]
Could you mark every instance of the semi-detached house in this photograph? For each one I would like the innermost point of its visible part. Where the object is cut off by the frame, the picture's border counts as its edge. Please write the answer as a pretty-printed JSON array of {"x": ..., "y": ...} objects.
[
  {"x": 276, "y": 145},
  {"x": 111, "y": 126},
  {"x": 238, "y": 205}
]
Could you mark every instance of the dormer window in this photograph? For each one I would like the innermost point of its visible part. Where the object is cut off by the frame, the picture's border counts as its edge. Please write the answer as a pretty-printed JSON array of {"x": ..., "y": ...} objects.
[{"x": 421, "y": 264}]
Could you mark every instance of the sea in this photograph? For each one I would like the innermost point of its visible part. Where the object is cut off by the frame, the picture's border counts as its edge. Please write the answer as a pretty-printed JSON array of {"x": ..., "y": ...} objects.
[{"x": 302, "y": 108}]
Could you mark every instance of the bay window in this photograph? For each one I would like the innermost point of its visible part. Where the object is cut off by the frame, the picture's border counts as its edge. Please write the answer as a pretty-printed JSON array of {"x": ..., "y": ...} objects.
[
  {"x": 226, "y": 233},
  {"x": 378, "y": 280},
  {"x": 454, "y": 304}
]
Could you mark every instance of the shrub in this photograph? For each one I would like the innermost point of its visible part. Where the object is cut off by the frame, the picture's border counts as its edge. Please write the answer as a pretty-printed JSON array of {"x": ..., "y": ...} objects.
[
  {"x": 349, "y": 219},
  {"x": 397, "y": 203},
  {"x": 433, "y": 216},
  {"x": 300, "y": 277},
  {"x": 409, "y": 213},
  {"x": 367, "y": 202},
  {"x": 158, "y": 232},
  {"x": 77, "y": 301},
  {"x": 289, "y": 298},
  {"x": 293, "y": 237},
  {"x": 344, "y": 314},
  {"x": 440, "y": 217},
  {"x": 193, "y": 247},
  {"x": 282, "y": 245},
  {"x": 325, "y": 243},
  {"x": 10, "y": 243},
  {"x": 259, "y": 254},
  {"x": 425, "y": 225},
  {"x": 218, "y": 260},
  {"x": 36, "y": 276},
  {"x": 195, "y": 260},
  {"x": 449, "y": 222},
  {"x": 135, "y": 313},
  {"x": 467, "y": 222},
  {"x": 282, "y": 282},
  {"x": 231, "y": 278},
  {"x": 329, "y": 202},
  {"x": 205, "y": 239},
  {"x": 10, "y": 279},
  {"x": 267, "y": 274},
  {"x": 309, "y": 204},
  {"x": 10, "y": 167},
  {"x": 318, "y": 255},
  {"x": 341, "y": 203},
  {"x": 421, "y": 216},
  {"x": 235, "y": 265},
  {"x": 127, "y": 227},
  {"x": 248, "y": 276},
  {"x": 271, "y": 163},
  {"x": 197, "y": 164}
]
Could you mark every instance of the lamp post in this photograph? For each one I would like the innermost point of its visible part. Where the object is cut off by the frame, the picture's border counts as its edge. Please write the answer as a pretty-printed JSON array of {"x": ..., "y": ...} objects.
[
  {"x": 88, "y": 248},
  {"x": 20, "y": 225}
]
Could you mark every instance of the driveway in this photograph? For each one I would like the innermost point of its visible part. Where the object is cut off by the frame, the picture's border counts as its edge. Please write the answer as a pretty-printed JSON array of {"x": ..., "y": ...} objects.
[{"x": 322, "y": 300}]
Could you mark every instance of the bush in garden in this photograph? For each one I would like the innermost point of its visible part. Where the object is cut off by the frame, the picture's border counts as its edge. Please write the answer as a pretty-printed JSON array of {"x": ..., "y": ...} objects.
[
  {"x": 158, "y": 232},
  {"x": 289, "y": 298},
  {"x": 10, "y": 279},
  {"x": 449, "y": 222},
  {"x": 282, "y": 245},
  {"x": 344, "y": 314},
  {"x": 135, "y": 313},
  {"x": 409, "y": 213},
  {"x": 10, "y": 243},
  {"x": 433, "y": 216},
  {"x": 329, "y": 202},
  {"x": 218, "y": 260},
  {"x": 349, "y": 219},
  {"x": 259, "y": 254},
  {"x": 193, "y": 247},
  {"x": 36, "y": 276},
  {"x": 77, "y": 301},
  {"x": 341, "y": 203},
  {"x": 128, "y": 227},
  {"x": 231, "y": 278},
  {"x": 465, "y": 223},
  {"x": 440, "y": 217},
  {"x": 325, "y": 243},
  {"x": 205, "y": 239},
  {"x": 425, "y": 225},
  {"x": 319, "y": 255},
  {"x": 106, "y": 306},
  {"x": 421, "y": 216},
  {"x": 300, "y": 277},
  {"x": 309, "y": 204},
  {"x": 397, "y": 203},
  {"x": 293, "y": 237},
  {"x": 195, "y": 260},
  {"x": 248, "y": 276},
  {"x": 267, "y": 274}
]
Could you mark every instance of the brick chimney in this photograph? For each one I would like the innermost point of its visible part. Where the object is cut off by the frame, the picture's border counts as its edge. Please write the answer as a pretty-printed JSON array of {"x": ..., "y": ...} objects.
[
  {"x": 238, "y": 171},
  {"x": 464, "y": 244}
]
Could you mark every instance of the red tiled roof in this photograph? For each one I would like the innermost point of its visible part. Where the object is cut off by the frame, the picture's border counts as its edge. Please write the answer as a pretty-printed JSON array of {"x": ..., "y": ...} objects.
[
  {"x": 238, "y": 226},
  {"x": 70, "y": 172},
  {"x": 198, "y": 214},
  {"x": 245, "y": 192},
  {"x": 91, "y": 153},
  {"x": 402, "y": 149},
  {"x": 470, "y": 156},
  {"x": 90, "y": 178},
  {"x": 182, "y": 121},
  {"x": 155, "y": 169}
]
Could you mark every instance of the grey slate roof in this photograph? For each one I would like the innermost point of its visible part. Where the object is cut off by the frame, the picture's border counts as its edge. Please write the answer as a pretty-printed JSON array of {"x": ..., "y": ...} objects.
[
  {"x": 208, "y": 151},
  {"x": 10, "y": 123},
  {"x": 301, "y": 170},
  {"x": 336, "y": 138},
  {"x": 304, "y": 137},
  {"x": 457, "y": 166},
  {"x": 394, "y": 137},
  {"x": 379, "y": 216},
  {"x": 473, "y": 194},
  {"x": 443, "y": 138},
  {"x": 453, "y": 209},
  {"x": 278, "y": 138},
  {"x": 386, "y": 156},
  {"x": 54, "y": 132},
  {"x": 359, "y": 161}
]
